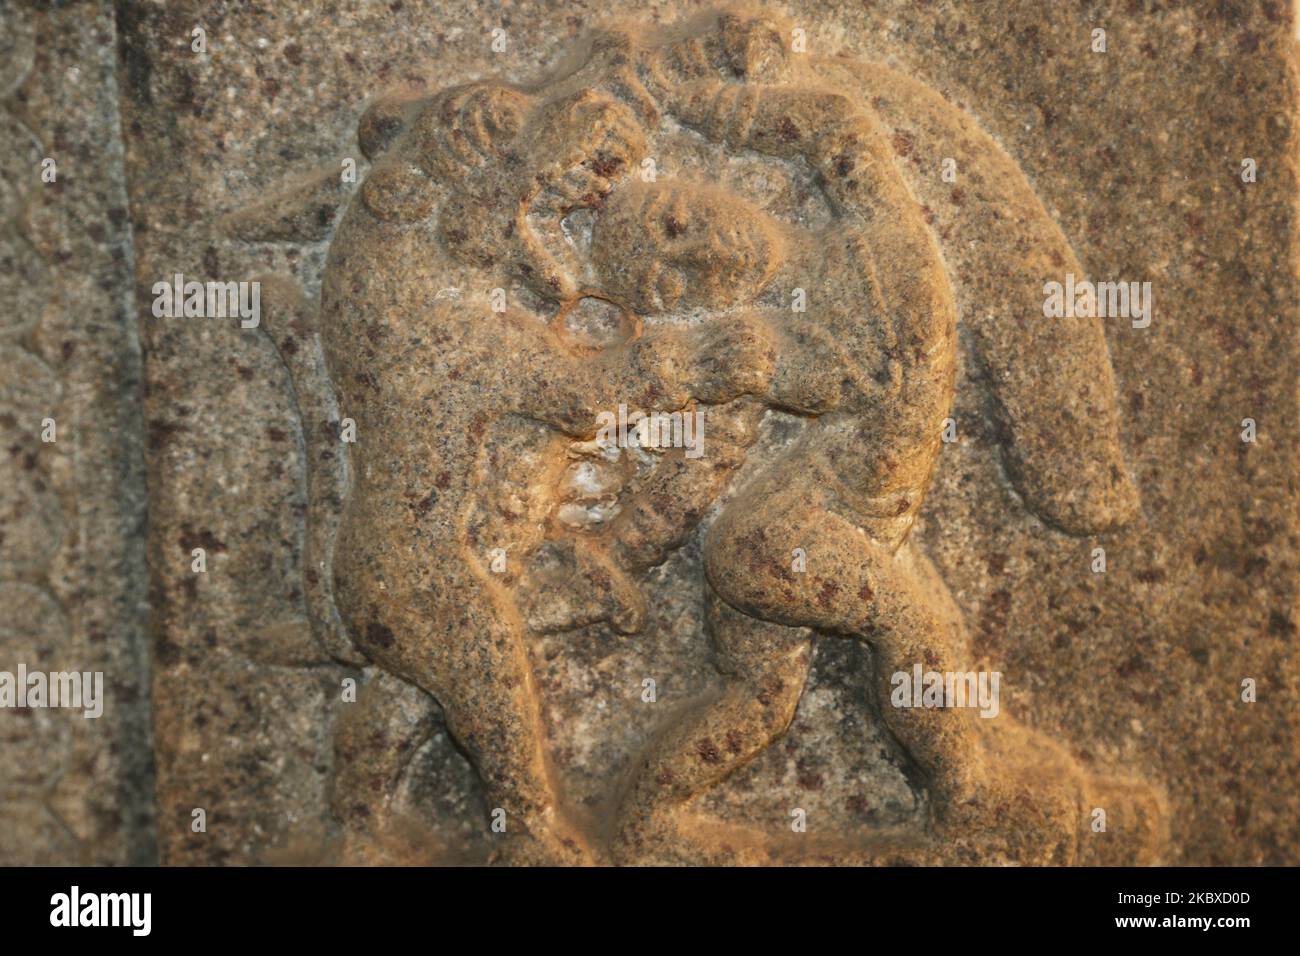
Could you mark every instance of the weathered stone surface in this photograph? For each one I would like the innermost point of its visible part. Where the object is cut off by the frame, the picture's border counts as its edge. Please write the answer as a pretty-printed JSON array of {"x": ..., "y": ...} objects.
[
  {"x": 826, "y": 229},
  {"x": 72, "y": 578}
]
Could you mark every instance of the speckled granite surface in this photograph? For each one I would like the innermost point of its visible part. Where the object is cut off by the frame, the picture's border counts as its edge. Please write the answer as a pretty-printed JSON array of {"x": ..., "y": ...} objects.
[
  {"x": 230, "y": 165},
  {"x": 72, "y": 562}
]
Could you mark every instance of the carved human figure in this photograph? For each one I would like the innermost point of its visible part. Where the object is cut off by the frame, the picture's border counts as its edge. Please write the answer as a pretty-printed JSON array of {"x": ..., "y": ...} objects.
[
  {"x": 873, "y": 361},
  {"x": 465, "y": 415}
]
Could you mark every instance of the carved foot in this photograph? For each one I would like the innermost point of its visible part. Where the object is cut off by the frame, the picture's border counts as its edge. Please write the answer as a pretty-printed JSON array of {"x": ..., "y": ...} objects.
[{"x": 1036, "y": 806}]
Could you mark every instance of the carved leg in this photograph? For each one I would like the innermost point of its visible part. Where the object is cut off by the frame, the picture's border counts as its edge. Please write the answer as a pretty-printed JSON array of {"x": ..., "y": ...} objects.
[
  {"x": 980, "y": 774},
  {"x": 765, "y": 666},
  {"x": 490, "y": 697},
  {"x": 461, "y": 640},
  {"x": 854, "y": 586}
]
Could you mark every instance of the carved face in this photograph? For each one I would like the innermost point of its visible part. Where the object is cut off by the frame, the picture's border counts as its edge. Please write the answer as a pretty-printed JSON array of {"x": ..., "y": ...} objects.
[{"x": 662, "y": 246}]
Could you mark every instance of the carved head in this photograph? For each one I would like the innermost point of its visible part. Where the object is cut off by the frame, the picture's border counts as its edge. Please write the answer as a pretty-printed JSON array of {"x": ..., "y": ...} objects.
[
  {"x": 667, "y": 245},
  {"x": 509, "y": 166}
]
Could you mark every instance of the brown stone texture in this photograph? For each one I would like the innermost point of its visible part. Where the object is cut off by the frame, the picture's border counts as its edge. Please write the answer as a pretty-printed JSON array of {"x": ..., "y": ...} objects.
[
  {"x": 520, "y": 685},
  {"x": 72, "y": 572}
]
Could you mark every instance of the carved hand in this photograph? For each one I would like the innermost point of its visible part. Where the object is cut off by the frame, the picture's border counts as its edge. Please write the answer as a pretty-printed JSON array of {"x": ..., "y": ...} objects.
[
  {"x": 731, "y": 357},
  {"x": 715, "y": 362}
]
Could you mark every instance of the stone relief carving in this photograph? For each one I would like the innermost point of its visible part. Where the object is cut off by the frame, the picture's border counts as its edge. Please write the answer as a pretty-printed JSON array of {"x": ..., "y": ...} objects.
[
  {"x": 635, "y": 231},
  {"x": 410, "y": 577}
]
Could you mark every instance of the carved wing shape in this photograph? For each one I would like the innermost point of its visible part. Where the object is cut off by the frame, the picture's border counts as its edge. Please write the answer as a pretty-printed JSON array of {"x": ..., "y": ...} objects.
[{"x": 1051, "y": 378}]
